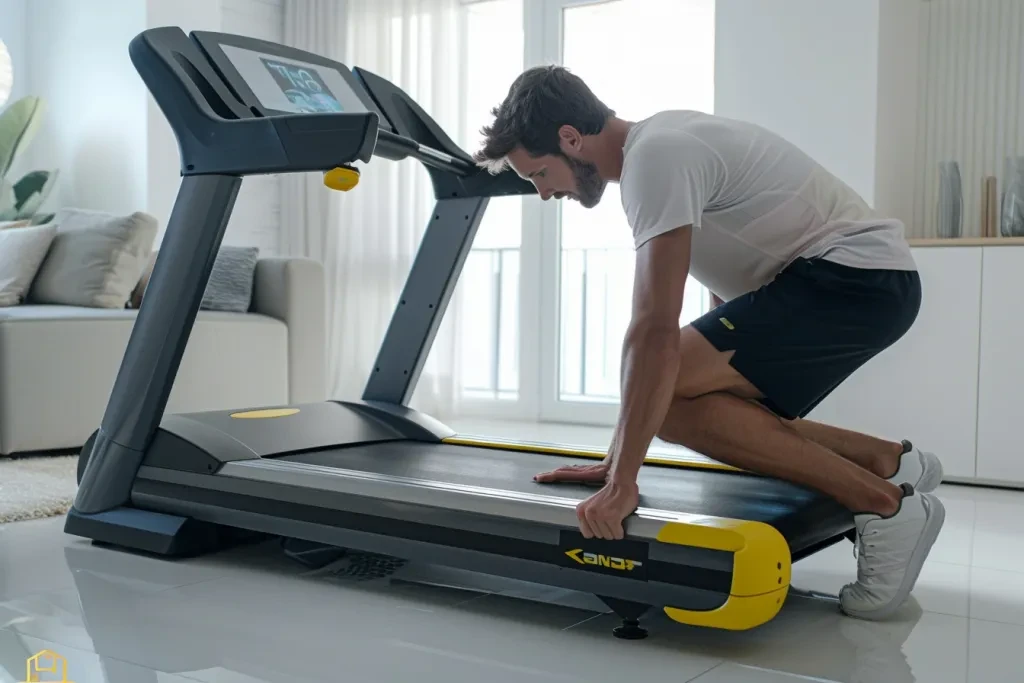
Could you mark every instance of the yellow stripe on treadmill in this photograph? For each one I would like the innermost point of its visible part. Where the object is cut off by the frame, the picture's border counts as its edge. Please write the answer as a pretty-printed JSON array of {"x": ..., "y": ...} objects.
[
  {"x": 696, "y": 462},
  {"x": 264, "y": 414},
  {"x": 761, "y": 572}
]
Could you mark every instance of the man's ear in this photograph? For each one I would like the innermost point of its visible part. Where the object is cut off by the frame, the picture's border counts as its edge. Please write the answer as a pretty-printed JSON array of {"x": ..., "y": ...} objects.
[{"x": 570, "y": 139}]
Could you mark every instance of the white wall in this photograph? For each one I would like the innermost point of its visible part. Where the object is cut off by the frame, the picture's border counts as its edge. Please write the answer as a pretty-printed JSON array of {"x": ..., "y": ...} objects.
[
  {"x": 94, "y": 126},
  {"x": 899, "y": 74},
  {"x": 807, "y": 70}
]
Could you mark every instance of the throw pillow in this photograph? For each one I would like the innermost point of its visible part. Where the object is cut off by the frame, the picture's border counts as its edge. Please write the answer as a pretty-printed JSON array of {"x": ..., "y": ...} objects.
[
  {"x": 231, "y": 281},
  {"x": 140, "y": 288},
  {"x": 95, "y": 259},
  {"x": 22, "y": 251}
]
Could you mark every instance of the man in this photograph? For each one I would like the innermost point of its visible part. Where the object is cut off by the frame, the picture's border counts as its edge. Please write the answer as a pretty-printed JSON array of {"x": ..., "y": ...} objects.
[{"x": 814, "y": 284}]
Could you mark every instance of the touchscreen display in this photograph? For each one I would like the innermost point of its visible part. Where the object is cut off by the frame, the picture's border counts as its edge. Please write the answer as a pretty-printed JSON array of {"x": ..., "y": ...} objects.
[
  {"x": 303, "y": 86},
  {"x": 289, "y": 85}
]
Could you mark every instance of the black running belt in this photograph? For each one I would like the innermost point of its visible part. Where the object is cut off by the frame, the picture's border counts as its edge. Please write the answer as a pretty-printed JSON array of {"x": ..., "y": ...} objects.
[{"x": 804, "y": 518}]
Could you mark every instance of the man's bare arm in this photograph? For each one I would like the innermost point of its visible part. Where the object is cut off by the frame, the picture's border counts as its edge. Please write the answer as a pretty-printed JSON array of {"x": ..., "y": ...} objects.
[{"x": 650, "y": 355}]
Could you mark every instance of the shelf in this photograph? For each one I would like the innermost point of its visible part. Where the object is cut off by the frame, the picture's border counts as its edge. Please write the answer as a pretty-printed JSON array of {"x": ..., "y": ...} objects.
[{"x": 967, "y": 242}]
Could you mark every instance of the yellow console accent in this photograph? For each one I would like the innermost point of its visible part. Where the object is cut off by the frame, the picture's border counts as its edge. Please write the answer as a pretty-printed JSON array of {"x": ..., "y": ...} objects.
[
  {"x": 341, "y": 178},
  {"x": 761, "y": 570},
  {"x": 266, "y": 413},
  {"x": 693, "y": 461}
]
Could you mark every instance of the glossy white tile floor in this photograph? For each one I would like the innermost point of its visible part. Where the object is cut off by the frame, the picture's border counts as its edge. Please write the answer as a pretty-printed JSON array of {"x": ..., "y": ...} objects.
[{"x": 251, "y": 615}]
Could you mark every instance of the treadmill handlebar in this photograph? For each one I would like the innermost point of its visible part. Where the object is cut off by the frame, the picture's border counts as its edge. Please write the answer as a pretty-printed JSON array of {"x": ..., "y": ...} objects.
[{"x": 397, "y": 147}]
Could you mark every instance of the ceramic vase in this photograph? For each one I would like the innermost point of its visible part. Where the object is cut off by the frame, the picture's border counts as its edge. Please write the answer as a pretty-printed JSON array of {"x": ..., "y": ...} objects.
[
  {"x": 951, "y": 200},
  {"x": 1011, "y": 222}
]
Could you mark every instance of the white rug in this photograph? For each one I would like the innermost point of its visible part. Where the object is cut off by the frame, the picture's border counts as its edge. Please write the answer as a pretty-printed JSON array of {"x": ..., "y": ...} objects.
[{"x": 36, "y": 487}]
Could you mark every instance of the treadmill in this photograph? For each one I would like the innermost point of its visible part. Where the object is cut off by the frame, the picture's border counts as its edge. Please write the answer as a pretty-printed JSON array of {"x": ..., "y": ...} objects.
[{"x": 710, "y": 545}]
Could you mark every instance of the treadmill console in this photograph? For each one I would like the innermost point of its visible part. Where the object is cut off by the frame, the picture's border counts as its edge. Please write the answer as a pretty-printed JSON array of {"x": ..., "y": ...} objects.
[
  {"x": 308, "y": 116},
  {"x": 272, "y": 79}
]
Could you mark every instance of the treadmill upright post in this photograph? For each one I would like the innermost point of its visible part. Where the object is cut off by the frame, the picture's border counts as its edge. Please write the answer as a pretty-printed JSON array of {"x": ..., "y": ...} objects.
[
  {"x": 428, "y": 289},
  {"x": 158, "y": 339}
]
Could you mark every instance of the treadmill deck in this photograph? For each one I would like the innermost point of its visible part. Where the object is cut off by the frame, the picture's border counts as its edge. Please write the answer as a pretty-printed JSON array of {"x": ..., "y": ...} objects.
[{"x": 804, "y": 518}]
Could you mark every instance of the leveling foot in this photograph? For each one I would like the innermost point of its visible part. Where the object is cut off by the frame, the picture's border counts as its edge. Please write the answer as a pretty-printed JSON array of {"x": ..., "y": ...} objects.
[
  {"x": 630, "y": 612},
  {"x": 630, "y": 630}
]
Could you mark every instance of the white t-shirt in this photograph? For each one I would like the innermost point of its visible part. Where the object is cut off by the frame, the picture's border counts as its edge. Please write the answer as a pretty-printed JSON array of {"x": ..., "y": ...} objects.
[{"x": 756, "y": 202}]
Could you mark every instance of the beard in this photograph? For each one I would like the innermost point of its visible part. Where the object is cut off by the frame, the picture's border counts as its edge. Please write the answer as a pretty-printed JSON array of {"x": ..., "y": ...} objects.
[{"x": 589, "y": 184}]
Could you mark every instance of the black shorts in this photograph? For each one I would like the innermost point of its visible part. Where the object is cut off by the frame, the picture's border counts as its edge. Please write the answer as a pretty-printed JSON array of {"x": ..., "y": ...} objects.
[{"x": 800, "y": 336}]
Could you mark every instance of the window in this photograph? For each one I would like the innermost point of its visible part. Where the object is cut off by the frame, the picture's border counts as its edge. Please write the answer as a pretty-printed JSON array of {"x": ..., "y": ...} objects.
[
  {"x": 650, "y": 70},
  {"x": 490, "y": 279},
  {"x": 548, "y": 286}
]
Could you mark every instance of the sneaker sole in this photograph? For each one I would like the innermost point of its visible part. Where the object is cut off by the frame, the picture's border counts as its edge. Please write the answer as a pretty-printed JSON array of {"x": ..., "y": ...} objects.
[
  {"x": 931, "y": 473},
  {"x": 932, "y": 526}
]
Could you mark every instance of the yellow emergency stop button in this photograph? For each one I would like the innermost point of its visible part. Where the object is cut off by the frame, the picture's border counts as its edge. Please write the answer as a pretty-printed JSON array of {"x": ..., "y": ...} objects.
[{"x": 343, "y": 179}]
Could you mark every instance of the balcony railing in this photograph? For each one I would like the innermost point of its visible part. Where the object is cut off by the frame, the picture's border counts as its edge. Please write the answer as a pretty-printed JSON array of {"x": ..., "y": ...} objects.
[{"x": 490, "y": 326}]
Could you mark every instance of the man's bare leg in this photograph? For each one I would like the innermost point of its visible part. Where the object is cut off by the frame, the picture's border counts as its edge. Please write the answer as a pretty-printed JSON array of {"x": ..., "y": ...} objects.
[
  {"x": 733, "y": 430},
  {"x": 875, "y": 455},
  {"x": 713, "y": 414}
]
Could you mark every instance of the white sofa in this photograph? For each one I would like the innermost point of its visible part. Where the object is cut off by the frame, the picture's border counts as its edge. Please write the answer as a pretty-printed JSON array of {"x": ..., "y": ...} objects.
[{"x": 58, "y": 363}]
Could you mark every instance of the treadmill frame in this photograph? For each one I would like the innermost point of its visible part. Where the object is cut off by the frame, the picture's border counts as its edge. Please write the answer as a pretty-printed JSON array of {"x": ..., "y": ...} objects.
[{"x": 702, "y": 570}]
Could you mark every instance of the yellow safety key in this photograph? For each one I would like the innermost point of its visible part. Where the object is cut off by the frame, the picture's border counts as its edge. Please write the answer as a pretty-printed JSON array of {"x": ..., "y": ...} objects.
[{"x": 341, "y": 178}]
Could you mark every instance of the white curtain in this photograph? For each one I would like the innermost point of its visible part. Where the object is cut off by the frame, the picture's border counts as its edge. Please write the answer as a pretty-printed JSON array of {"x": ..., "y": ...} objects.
[{"x": 367, "y": 238}]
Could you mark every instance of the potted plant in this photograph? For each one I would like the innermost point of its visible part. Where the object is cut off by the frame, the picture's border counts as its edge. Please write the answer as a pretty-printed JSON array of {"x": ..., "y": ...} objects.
[{"x": 21, "y": 200}]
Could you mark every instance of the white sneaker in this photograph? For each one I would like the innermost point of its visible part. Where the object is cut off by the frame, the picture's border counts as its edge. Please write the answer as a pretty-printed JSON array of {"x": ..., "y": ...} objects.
[
  {"x": 920, "y": 469},
  {"x": 890, "y": 554}
]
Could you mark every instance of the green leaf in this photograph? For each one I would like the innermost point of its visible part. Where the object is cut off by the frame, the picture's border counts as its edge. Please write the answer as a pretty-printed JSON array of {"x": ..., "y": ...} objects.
[
  {"x": 18, "y": 125},
  {"x": 31, "y": 191},
  {"x": 8, "y": 201}
]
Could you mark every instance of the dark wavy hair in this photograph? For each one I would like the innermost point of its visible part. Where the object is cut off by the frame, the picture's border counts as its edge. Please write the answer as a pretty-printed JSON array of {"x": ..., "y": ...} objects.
[{"x": 540, "y": 101}]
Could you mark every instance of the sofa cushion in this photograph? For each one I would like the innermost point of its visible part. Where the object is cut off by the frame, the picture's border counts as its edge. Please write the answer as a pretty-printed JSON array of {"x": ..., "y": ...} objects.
[
  {"x": 230, "y": 285},
  {"x": 22, "y": 251},
  {"x": 95, "y": 259},
  {"x": 231, "y": 281},
  {"x": 140, "y": 288}
]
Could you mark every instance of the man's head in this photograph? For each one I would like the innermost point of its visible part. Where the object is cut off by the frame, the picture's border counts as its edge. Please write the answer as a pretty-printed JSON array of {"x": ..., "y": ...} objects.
[{"x": 545, "y": 131}]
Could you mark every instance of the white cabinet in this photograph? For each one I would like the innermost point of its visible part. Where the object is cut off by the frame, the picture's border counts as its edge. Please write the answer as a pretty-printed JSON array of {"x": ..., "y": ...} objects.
[
  {"x": 1001, "y": 370},
  {"x": 925, "y": 387}
]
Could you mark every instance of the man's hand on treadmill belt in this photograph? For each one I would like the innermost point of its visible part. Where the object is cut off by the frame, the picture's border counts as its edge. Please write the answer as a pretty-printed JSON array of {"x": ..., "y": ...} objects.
[
  {"x": 601, "y": 515},
  {"x": 575, "y": 474}
]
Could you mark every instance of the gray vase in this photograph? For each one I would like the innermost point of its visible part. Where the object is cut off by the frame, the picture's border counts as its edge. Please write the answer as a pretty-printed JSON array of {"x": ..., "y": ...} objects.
[
  {"x": 951, "y": 201},
  {"x": 1011, "y": 223}
]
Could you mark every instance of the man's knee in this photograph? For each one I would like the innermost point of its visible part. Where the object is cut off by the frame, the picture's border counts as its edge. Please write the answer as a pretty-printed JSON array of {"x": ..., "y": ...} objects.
[
  {"x": 687, "y": 417},
  {"x": 689, "y": 420},
  {"x": 679, "y": 422}
]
